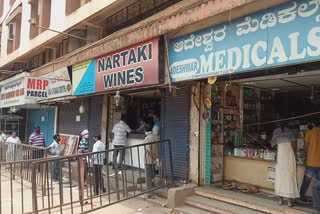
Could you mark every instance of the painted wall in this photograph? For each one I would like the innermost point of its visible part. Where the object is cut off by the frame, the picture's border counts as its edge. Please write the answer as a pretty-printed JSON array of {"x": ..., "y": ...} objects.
[
  {"x": 59, "y": 21},
  {"x": 254, "y": 172}
]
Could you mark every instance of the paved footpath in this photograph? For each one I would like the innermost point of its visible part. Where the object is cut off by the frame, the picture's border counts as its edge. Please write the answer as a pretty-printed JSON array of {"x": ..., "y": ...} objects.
[{"x": 136, "y": 205}]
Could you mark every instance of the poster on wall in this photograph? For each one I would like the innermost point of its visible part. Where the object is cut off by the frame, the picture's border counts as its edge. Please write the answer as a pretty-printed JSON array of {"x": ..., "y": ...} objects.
[
  {"x": 271, "y": 174},
  {"x": 59, "y": 83},
  {"x": 283, "y": 35},
  {"x": 12, "y": 94},
  {"x": 136, "y": 65},
  {"x": 83, "y": 78},
  {"x": 69, "y": 144}
]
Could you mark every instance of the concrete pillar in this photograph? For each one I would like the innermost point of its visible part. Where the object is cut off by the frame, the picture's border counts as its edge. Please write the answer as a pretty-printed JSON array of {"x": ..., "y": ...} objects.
[
  {"x": 104, "y": 121},
  {"x": 194, "y": 134}
]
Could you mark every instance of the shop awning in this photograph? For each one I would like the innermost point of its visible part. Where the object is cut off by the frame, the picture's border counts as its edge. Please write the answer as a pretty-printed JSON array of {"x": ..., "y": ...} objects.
[{"x": 64, "y": 99}]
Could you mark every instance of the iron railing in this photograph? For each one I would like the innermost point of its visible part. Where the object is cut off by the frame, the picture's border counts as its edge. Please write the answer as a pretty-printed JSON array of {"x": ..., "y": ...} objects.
[
  {"x": 11, "y": 152},
  {"x": 16, "y": 175},
  {"x": 29, "y": 186}
]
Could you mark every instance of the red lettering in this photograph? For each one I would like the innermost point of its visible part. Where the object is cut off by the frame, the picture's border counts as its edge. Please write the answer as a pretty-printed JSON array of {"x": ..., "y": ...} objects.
[
  {"x": 64, "y": 139},
  {"x": 39, "y": 84},
  {"x": 17, "y": 93},
  {"x": 31, "y": 83},
  {"x": 45, "y": 84},
  {"x": 22, "y": 91}
]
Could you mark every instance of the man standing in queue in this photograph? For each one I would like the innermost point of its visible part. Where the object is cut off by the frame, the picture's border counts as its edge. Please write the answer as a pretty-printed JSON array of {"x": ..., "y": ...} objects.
[
  {"x": 98, "y": 162},
  {"x": 82, "y": 150},
  {"x": 151, "y": 156},
  {"x": 120, "y": 131},
  {"x": 55, "y": 151},
  {"x": 312, "y": 149},
  {"x": 37, "y": 139},
  {"x": 157, "y": 124}
]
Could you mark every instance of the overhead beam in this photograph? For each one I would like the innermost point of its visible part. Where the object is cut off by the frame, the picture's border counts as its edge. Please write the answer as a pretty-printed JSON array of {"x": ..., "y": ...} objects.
[{"x": 91, "y": 25}]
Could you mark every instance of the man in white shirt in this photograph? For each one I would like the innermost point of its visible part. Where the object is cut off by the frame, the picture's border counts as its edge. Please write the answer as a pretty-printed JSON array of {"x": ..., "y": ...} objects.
[
  {"x": 55, "y": 151},
  {"x": 98, "y": 162},
  {"x": 120, "y": 131},
  {"x": 13, "y": 149}
]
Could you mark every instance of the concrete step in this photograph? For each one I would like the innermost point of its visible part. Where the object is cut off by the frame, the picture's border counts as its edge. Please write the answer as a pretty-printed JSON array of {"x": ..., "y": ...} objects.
[
  {"x": 259, "y": 202},
  {"x": 215, "y": 206},
  {"x": 185, "y": 209}
]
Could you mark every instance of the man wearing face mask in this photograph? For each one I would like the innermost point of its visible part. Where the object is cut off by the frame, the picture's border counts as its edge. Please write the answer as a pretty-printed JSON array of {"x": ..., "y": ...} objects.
[{"x": 157, "y": 124}]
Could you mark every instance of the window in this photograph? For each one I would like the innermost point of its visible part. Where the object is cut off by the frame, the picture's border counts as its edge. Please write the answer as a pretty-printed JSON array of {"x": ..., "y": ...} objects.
[
  {"x": 41, "y": 12},
  {"x": 40, "y": 59},
  {"x": 73, "y": 5},
  {"x": 11, "y": 31},
  {"x": 13, "y": 23}
]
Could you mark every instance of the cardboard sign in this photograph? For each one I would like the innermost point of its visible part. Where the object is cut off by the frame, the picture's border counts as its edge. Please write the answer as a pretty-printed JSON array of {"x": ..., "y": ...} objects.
[{"x": 69, "y": 144}]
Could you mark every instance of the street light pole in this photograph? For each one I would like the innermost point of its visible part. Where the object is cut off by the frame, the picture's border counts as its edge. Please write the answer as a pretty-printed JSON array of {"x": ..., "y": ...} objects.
[{"x": 33, "y": 23}]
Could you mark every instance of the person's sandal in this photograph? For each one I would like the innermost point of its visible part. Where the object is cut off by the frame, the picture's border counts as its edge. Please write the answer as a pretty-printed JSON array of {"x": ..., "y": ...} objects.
[{"x": 290, "y": 203}]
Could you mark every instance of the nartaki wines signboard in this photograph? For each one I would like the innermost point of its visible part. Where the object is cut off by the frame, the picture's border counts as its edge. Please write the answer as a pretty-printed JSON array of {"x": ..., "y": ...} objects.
[
  {"x": 283, "y": 35},
  {"x": 133, "y": 66}
]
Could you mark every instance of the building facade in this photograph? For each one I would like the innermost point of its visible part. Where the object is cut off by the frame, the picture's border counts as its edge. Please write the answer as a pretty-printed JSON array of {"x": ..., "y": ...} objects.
[{"x": 57, "y": 41}]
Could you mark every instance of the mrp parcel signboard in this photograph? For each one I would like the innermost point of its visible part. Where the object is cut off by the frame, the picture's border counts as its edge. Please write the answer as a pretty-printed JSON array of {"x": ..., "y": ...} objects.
[
  {"x": 134, "y": 66},
  {"x": 36, "y": 88}
]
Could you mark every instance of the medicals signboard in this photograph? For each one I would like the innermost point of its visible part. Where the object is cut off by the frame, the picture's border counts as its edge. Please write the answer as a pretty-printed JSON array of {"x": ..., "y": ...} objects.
[
  {"x": 286, "y": 34},
  {"x": 134, "y": 66}
]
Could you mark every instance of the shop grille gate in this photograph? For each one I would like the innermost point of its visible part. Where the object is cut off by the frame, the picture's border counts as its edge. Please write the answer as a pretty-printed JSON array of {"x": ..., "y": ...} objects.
[{"x": 27, "y": 186}]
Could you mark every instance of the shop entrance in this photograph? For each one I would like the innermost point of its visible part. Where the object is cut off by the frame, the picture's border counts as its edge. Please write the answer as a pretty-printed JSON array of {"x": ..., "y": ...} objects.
[
  {"x": 138, "y": 109},
  {"x": 244, "y": 114}
]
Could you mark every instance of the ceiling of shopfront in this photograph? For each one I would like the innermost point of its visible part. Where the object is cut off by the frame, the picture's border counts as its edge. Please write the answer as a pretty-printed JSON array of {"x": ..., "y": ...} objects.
[{"x": 285, "y": 82}]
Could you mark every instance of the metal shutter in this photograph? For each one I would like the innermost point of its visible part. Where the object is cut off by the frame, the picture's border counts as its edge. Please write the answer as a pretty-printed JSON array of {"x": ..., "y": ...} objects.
[
  {"x": 176, "y": 127},
  {"x": 90, "y": 120}
]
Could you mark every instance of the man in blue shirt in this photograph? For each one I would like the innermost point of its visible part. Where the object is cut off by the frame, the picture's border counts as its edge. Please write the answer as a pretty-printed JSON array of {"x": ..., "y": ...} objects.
[
  {"x": 316, "y": 196},
  {"x": 157, "y": 125}
]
